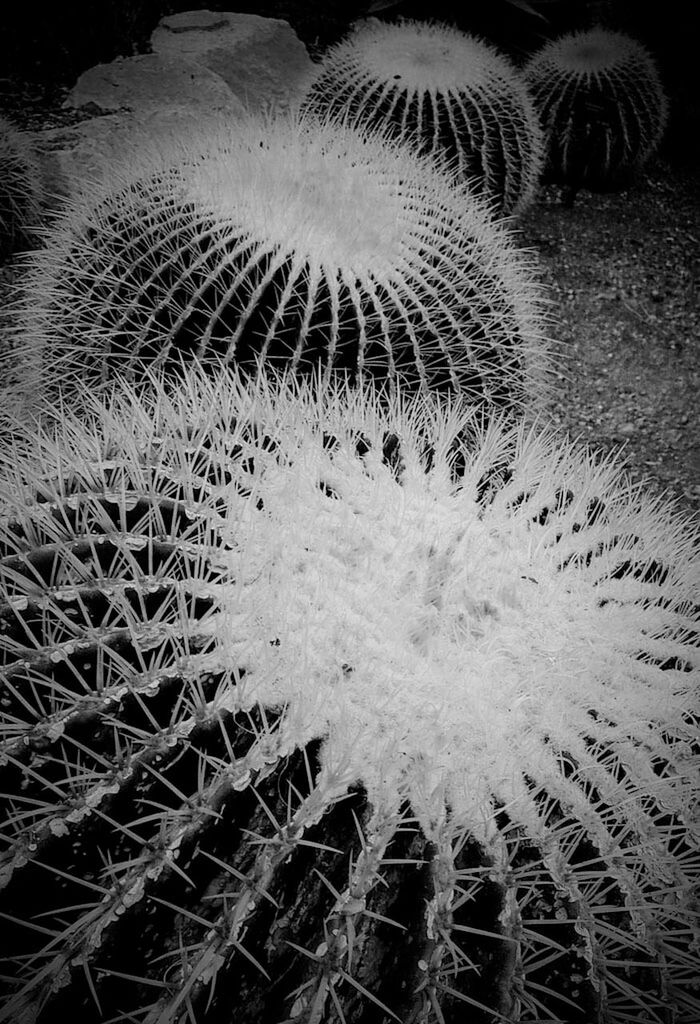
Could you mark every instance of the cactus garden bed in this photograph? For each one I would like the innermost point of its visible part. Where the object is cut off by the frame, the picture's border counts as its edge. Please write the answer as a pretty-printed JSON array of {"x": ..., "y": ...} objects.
[{"x": 332, "y": 705}]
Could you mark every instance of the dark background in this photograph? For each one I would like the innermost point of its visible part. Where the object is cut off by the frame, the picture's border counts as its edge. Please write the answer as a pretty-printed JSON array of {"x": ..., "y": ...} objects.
[{"x": 45, "y": 46}]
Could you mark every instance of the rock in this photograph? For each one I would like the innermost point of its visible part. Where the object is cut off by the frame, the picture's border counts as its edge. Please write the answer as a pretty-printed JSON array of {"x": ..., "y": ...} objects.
[
  {"x": 260, "y": 59},
  {"x": 204, "y": 64},
  {"x": 152, "y": 83}
]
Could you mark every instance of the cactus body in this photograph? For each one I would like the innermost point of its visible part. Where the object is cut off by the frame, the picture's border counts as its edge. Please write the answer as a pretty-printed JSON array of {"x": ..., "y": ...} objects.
[
  {"x": 20, "y": 189},
  {"x": 602, "y": 104},
  {"x": 316, "y": 708},
  {"x": 285, "y": 244},
  {"x": 446, "y": 93}
]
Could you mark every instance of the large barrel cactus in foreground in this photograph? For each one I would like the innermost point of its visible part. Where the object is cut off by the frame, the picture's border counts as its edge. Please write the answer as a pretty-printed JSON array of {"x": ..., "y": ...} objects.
[
  {"x": 446, "y": 93},
  {"x": 603, "y": 106},
  {"x": 20, "y": 188},
  {"x": 284, "y": 243},
  {"x": 321, "y": 709}
]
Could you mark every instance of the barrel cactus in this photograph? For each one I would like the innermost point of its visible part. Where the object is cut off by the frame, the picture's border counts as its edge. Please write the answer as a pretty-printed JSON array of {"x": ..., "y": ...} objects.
[
  {"x": 20, "y": 188},
  {"x": 603, "y": 107},
  {"x": 318, "y": 707},
  {"x": 284, "y": 242},
  {"x": 446, "y": 93}
]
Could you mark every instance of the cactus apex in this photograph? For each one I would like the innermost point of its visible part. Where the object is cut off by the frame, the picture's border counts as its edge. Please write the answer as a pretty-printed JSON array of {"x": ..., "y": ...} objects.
[{"x": 323, "y": 703}]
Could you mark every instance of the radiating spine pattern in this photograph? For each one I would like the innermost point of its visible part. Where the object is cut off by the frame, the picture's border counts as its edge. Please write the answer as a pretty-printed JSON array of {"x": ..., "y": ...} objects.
[{"x": 324, "y": 705}]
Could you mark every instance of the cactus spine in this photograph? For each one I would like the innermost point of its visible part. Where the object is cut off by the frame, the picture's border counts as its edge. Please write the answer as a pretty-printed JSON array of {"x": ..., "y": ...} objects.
[
  {"x": 603, "y": 107},
  {"x": 447, "y": 93},
  {"x": 320, "y": 708},
  {"x": 20, "y": 189},
  {"x": 293, "y": 244}
]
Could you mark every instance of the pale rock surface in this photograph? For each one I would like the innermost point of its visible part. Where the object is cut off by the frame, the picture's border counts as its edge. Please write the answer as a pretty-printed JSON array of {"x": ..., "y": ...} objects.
[
  {"x": 261, "y": 60},
  {"x": 82, "y": 150},
  {"x": 151, "y": 82},
  {"x": 204, "y": 64}
]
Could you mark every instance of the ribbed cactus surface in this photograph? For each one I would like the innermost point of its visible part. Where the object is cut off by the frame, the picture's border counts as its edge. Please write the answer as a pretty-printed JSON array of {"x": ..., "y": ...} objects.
[
  {"x": 20, "y": 188},
  {"x": 321, "y": 709},
  {"x": 446, "y": 93},
  {"x": 603, "y": 106},
  {"x": 284, "y": 243}
]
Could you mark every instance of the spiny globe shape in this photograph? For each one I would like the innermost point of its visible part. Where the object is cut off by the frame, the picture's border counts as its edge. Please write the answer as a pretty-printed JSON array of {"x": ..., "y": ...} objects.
[
  {"x": 603, "y": 107},
  {"x": 444, "y": 92},
  {"x": 20, "y": 188},
  {"x": 284, "y": 243},
  {"x": 327, "y": 708}
]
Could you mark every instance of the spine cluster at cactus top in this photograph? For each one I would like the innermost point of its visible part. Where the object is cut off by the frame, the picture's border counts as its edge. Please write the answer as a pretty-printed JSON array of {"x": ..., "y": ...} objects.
[{"x": 319, "y": 704}]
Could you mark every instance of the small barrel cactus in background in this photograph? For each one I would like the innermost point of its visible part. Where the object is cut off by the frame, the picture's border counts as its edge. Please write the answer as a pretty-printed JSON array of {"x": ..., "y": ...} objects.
[
  {"x": 20, "y": 189},
  {"x": 316, "y": 707},
  {"x": 445, "y": 92},
  {"x": 285, "y": 242},
  {"x": 602, "y": 104}
]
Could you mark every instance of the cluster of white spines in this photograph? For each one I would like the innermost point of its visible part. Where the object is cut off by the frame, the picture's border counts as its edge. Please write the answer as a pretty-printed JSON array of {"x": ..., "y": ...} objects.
[
  {"x": 445, "y": 93},
  {"x": 602, "y": 103},
  {"x": 286, "y": 244},
  {"x": 514, "y": 637}
]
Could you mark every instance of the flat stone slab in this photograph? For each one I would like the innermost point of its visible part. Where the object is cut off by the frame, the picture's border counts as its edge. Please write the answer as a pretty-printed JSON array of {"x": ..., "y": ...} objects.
[
  {"x": 261, "y": 60},
  {"x": 133, "y": 98},
  {"x": 205, "y": 65},
  {"x": 152, "y": 82}
]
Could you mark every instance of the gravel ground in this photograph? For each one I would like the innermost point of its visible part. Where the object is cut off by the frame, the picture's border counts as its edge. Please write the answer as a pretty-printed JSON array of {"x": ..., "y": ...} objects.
[{"x": 624, "y": 271}]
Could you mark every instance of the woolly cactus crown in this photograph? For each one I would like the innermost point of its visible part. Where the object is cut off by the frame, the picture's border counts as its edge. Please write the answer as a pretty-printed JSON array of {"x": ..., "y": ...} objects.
[
  {"x": 426, "y": 56},
  {"x": 447, "y": 93},
  {"x": 289, "y": 243},
  {"x": 602, "y": 103},
  {"x": 237, "y": 614}
]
